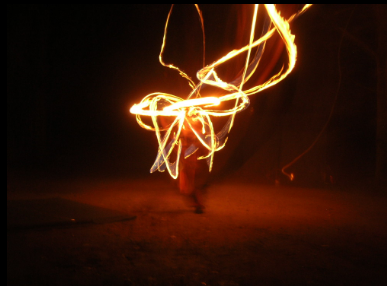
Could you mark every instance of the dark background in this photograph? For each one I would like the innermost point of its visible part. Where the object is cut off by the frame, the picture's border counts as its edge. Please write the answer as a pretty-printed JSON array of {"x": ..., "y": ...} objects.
[{"x": 73, "y": 71}]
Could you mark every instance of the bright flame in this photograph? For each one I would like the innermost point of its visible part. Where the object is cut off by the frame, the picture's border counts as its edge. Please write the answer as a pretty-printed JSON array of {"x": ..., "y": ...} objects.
[{"x": 196, "y": 109}]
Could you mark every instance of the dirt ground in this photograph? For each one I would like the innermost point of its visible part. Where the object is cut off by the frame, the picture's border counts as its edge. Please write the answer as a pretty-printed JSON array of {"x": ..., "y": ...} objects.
[{"x": 248, "y": 235}]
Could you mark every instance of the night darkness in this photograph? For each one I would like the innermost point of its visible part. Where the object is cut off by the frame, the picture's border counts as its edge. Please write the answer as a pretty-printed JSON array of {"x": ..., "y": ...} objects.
[{"x": 73, "y": 72}]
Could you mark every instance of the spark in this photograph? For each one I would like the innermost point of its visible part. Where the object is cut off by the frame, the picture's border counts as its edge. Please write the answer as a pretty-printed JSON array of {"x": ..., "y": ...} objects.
[{"x": 196, "y": 110}]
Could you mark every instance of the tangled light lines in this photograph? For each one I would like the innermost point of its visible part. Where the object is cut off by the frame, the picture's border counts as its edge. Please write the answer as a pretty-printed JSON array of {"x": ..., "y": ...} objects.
[{"x": 196, "y": 110}]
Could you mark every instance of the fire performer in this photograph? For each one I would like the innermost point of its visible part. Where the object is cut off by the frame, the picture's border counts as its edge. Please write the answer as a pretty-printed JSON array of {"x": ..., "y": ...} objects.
[{"x": 182, "y": 137}]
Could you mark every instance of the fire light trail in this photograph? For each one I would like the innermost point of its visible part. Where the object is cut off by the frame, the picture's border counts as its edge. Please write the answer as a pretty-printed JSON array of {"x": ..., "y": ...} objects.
[{"x": 196, "y": 110}]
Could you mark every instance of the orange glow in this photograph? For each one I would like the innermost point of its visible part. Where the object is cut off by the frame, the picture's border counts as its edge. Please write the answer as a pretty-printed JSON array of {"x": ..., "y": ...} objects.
[{"x": 197, "y": 109}]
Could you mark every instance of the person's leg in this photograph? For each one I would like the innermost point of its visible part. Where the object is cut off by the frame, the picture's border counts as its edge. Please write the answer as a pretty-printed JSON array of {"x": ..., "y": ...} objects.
[
  {"x": 187, "y": 182},
  {"x": 187, "y": 175}
]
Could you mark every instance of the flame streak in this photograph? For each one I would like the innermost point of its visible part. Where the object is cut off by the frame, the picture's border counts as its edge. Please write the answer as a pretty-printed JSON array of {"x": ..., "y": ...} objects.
[{"x": 197, "y": 109}]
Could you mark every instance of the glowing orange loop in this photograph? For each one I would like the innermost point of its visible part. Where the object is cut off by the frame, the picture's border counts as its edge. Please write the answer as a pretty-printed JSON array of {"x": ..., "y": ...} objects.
[{"x": 199, "y": 108}]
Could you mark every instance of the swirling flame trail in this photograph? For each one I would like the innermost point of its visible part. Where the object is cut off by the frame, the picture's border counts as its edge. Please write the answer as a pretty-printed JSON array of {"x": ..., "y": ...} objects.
[{"x": 198, "y": 110}]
